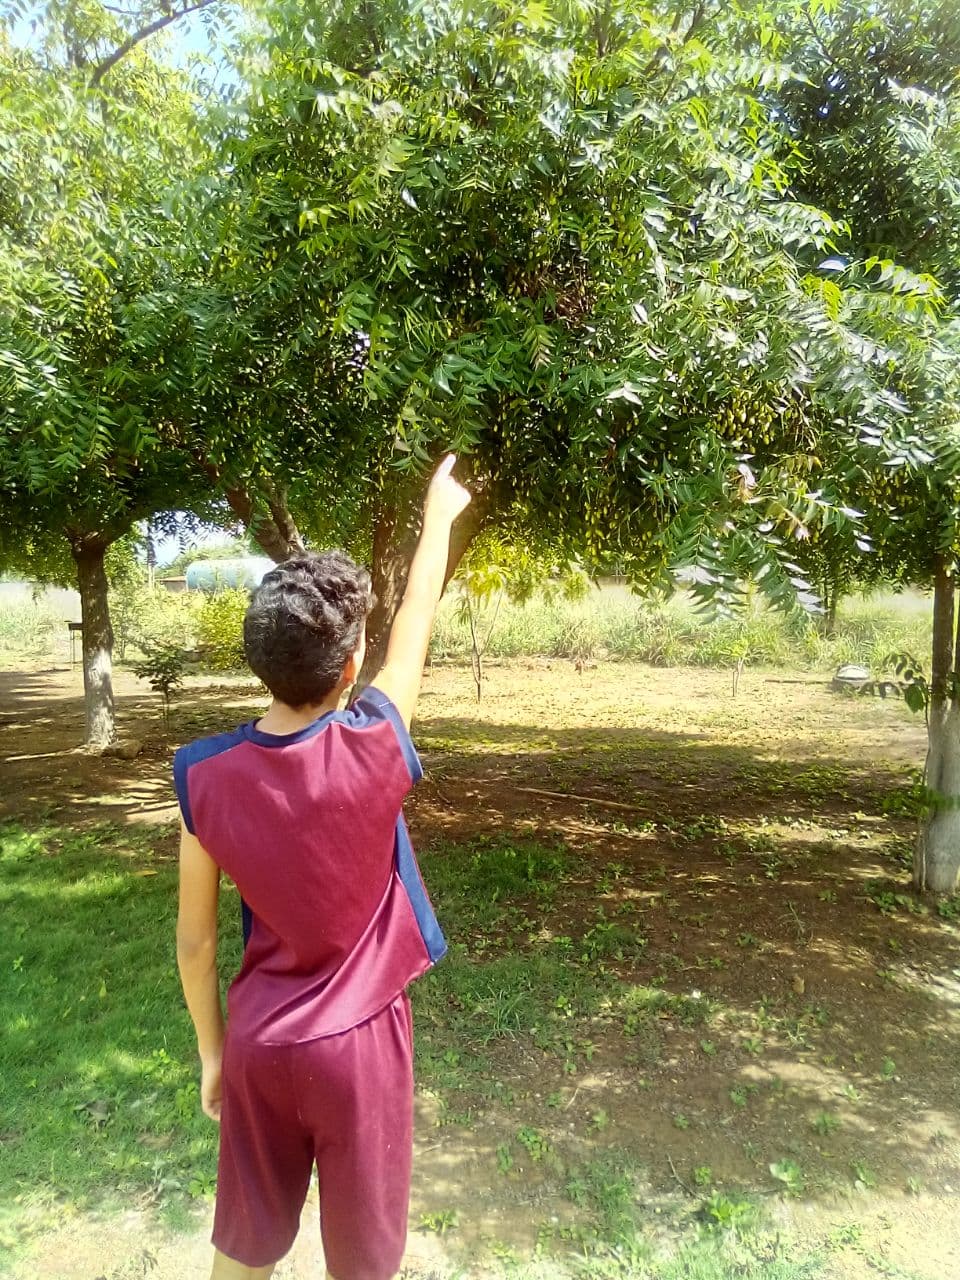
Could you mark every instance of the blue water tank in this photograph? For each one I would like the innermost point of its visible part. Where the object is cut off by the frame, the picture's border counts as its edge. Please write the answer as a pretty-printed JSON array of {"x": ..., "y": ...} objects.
[{"x": 215, "y": 575}]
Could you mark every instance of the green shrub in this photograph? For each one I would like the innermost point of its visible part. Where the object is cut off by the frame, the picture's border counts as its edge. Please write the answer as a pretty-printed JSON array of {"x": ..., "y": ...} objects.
[
  {"x": 220, "y": 629},
  {"x": 147, "y": 619},
  {"x": 162, "y": 668}
]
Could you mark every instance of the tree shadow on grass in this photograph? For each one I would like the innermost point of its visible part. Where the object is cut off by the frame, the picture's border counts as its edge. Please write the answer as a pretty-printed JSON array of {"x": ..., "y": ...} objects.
[
  {"x": 41, "y": 731},
  {"x": 47, "y": 770}
]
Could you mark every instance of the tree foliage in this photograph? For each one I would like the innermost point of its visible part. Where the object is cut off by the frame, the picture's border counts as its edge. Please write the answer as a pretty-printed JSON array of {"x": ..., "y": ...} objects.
[
  {"x": 84, "y": 233},
  {"x": 571, "y": 243},
  {"x": 84, "y": 236}
]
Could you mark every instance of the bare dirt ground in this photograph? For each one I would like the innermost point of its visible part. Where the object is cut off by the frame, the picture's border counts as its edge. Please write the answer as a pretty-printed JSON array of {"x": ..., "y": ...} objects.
[{"x": 759, "y": 844}]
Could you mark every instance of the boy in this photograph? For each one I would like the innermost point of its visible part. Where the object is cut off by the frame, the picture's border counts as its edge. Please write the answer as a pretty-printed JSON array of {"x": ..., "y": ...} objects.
[{"x": 302, "y": 809}]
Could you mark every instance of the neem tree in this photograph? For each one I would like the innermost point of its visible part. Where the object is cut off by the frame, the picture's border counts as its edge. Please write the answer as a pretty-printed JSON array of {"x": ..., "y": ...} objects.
[
  {"x": 563, "y": 242},
  {"x": 876, "y": 110},
  {"x": 84, "y": 233}
]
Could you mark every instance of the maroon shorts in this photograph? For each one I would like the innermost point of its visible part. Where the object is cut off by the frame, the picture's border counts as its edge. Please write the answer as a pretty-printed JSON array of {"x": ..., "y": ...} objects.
[{"x": 343, "y": 1102}]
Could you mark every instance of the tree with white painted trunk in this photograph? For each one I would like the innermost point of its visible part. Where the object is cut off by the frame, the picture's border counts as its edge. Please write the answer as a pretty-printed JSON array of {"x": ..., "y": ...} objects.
[
  {"x": 876, "y": 109},
  {"x": 937, "y": 857}
]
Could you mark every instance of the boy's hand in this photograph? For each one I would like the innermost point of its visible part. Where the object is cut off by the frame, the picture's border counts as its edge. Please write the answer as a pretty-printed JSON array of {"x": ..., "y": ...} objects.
[
  {"x": 210, "y": 1095},
  {"x": 446, "y": 497}
]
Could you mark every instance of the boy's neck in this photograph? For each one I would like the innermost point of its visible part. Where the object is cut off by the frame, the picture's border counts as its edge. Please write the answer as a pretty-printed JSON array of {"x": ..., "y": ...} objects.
[{"x": 281, "y": 719}]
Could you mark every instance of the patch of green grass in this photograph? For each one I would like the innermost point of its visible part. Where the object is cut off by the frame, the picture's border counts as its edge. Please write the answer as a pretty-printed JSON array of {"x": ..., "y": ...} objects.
[
  {"x": 608, "y": 1189},
  {"x": 644, "y": 1002},
  {"x": 99, "y": 1090},
  {"x": 482, "y": 883},
  {"x": 609, "y": 940},
  {"x": 469, "y": 1002},
  {"x": 737, "y": 1259}
]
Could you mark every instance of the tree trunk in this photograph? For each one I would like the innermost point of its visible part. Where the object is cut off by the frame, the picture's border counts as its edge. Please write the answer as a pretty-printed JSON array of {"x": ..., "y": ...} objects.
[
  {"x": 88, "y": 552},
  {"x": 830, "y": 621},
  {"x": 936, "y": 863},
  {"x": 395, "y": 534},
  {"x": 829, "y": 596},
  {"x": 394, "y": 542}
]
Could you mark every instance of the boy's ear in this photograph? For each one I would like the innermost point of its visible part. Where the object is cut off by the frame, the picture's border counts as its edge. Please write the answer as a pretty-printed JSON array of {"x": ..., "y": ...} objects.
[{"x": 351, "y": 669}]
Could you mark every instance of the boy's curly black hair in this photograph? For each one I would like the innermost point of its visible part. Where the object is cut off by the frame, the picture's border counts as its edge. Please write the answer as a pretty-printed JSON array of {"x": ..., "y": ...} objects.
[{"x": 304, "y": 621}]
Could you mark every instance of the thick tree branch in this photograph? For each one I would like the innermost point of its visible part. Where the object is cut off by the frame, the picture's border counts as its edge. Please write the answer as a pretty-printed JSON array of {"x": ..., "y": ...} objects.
[
  {"x": 136, "y": 37},
  {"x": 276, "y": 534},
  {"x": 282, "y": 520},
  {"x": 601, "y": 30},
  {"x": 697, "y": 20}
]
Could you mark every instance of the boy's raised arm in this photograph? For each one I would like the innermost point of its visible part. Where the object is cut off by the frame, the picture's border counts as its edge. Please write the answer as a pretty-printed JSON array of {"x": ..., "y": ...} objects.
[{"x": 402, "y": 671}]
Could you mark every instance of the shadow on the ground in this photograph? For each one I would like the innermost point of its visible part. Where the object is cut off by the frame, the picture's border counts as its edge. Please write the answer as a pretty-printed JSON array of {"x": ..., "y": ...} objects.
[
  {"x": 830, "y": 995},
  {"x": 41, "y": 731}
]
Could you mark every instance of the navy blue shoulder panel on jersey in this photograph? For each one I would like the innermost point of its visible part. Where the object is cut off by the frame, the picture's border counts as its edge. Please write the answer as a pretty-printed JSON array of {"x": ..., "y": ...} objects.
[
  {"x": 192, "y": 754},
  {"x": 371, "y": 706},
  {"x": 409, "y": 872}
]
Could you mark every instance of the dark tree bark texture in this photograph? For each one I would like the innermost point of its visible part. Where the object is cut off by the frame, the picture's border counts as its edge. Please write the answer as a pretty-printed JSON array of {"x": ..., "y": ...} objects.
[{"x": 395, "y": 535}]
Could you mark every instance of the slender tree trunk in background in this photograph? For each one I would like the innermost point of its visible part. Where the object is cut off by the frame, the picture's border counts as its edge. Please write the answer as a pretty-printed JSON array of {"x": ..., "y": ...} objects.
[
  {"x": 936, "y": 862},
  {"x": 395, "y": 533},
  {"x": 831, "y": 618},
  {"x": 476, "y": 652},
  {"x": 88, "y": 553},
  {"x": 829, "y": 595}
]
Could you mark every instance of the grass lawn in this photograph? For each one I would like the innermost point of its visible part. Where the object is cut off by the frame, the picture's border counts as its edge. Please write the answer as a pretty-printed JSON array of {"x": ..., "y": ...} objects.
[{"x": 692, "y": 1024}]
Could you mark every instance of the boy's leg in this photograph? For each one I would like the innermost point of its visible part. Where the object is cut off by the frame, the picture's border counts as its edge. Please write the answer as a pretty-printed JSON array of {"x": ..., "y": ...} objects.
[
  {"x": 363, "y": 1127},
  {"x": 266, "y": 1157},
  {"x": 225, "y": 1268}
]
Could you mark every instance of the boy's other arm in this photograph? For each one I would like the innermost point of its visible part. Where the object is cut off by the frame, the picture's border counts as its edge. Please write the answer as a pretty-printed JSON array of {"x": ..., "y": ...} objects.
[
  {"x": 197, "y": 960},
  {"x": 402, "y": 671}
]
